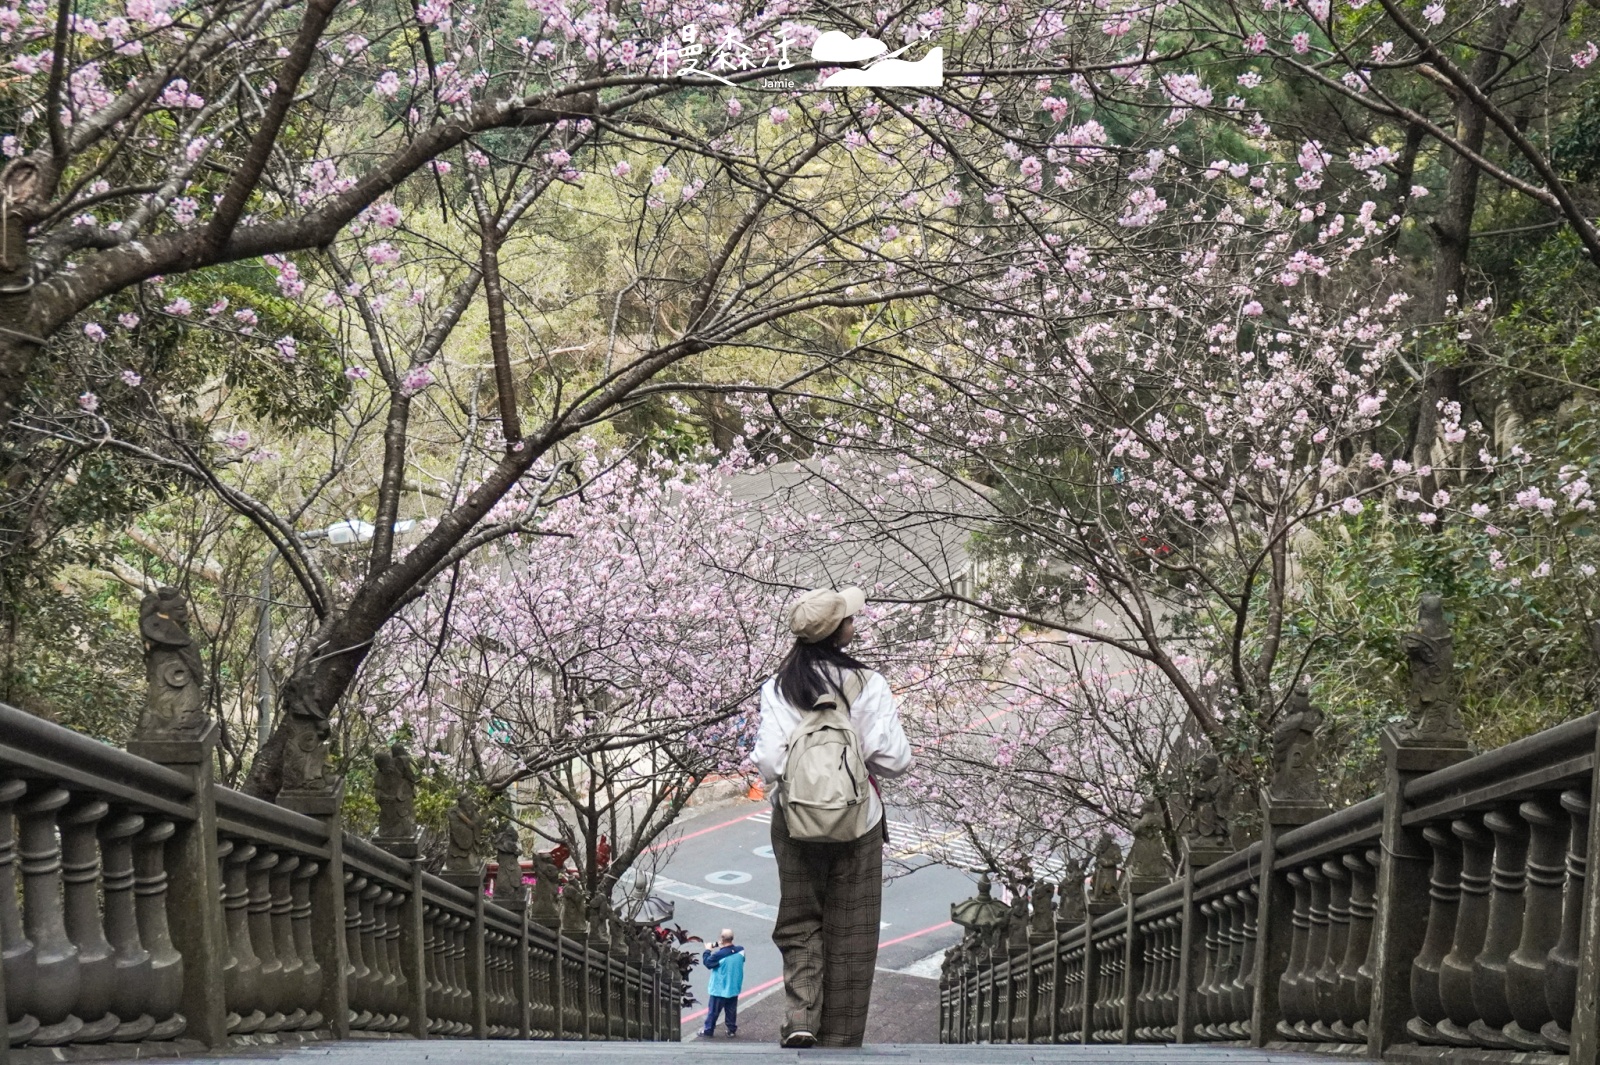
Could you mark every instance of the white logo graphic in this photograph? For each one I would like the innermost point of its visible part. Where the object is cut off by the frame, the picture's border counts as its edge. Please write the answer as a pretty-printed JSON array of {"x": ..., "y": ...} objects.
[{"x": 886, "y": 72}]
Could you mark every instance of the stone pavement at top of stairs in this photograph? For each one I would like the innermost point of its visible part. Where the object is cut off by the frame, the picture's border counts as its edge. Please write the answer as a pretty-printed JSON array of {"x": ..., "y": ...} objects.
[{"x": 509, "y": 1052}]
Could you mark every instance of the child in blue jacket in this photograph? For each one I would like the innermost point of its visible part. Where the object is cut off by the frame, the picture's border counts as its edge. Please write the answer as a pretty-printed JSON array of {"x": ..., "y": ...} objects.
[{"x": 726, "y": 965}]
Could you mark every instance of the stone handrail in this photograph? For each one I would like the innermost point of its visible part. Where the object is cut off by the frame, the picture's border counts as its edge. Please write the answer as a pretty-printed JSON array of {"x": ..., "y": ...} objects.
[
  {"x": 144, "y": 905},
  {"x": 1449, "y": 918}
]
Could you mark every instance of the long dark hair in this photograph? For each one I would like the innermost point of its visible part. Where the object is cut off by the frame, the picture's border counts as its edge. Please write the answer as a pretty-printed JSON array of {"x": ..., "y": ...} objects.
[{"x": 810, "y": 670}]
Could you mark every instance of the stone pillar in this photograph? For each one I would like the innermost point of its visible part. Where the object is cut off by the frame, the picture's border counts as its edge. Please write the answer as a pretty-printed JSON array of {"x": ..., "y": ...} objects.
[
  {"x": 1585, "y": 1032},
  {"x": 328, "y": 902},
  {"x": 1401, "y": 918},
  {"x": 1133, "y": 954},
  {"x": 1274, "y": 905},
  {"x": 1091, "y": 968},
  {"x": 194, "y": 885},
  {"x": 1191, "y": 944},
  {"x": 1432, "y": 738},
  {"x": 477, "y": 968},
  {"x": 523, "y": 978},
  {"x": 413, "y": 954}
]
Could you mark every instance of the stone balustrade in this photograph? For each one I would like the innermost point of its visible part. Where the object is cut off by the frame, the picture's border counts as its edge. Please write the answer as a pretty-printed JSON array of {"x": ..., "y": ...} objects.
[
  {"x": 1449, "y": 918},
  {"x": 146, "y": 908}
]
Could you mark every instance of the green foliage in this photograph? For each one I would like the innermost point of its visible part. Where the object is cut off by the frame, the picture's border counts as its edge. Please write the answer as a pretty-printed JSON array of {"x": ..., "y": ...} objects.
[
  {"x": 1518, "y": 590},
  {"x": 75, "y": 659}
]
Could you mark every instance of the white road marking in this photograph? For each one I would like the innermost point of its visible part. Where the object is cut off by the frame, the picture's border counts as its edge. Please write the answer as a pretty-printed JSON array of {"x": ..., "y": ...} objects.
[
  {"x": 728, "y": 877},
  {"x": 720, "y": 899},
  {"x": 928, "y": 968}
]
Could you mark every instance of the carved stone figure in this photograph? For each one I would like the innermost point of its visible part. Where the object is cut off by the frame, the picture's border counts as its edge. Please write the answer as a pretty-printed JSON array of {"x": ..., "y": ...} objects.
[
  {"x": 1148, "y": 858},
  {"x": 1016, "y": 937},
  {"x": 175, "y": 695},
  {"x": 1294, "y": 750},
  {"x": 1072, "y": 910},
  {"x": 1043, "y": 921},
  {"x": 983, "y": 915},
  {"x": 574, "y": 911},
  {"x": 307, "y": 734},
  {"x": 508, "y": 870},
  {"x": 1208, "y": 822},
  {"x": 396, "y": 792},
  {"x": 464, "y": 827},
  {"x": 1107, "y": 870},
  {"x": 1434, "y": 708},
  {"x": 546, "y": 877}
]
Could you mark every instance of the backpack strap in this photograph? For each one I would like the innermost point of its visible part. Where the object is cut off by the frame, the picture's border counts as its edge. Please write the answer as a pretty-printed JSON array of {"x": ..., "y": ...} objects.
[{"x": 852, "y": 683}]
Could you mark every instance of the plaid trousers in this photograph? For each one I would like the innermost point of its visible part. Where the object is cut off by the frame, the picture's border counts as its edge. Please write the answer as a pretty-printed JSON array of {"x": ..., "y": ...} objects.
[{"x": 831, "y": 898}]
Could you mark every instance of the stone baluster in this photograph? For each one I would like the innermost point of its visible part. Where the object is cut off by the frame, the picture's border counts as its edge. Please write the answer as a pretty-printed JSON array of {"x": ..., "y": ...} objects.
[
  {"x": 1230, "y": 968},
  {"x": 1152, "y": 1000},
  {"x": 1541, "y": 924},
  {"x": 465, "y": 976},
  {"x": 356, "y": 972},
  {"x": 16, "y": 949},
  {"x": 1206, "y": 989},
  {"x": 1508, "y": 880},
  {"x": 1561, "y": 973},
  {"x": 394, "y": 911},
  {"x": 1072, "y": 997},
  {"x": 1219, "y": 948},
  {"x": 1175, "y": 974},
  {"x": 369, "y": 903},
  {"x": 1290, "y": 1004},
  {"x": 1472, "y": 922},
  {"x": 1167, "y": 993},
  {"x": 1240, "y": 1006},
  {"x": 291, "y": 969},
  {"x": 440, "y": 1000},
  {"x": 1147, "y": 978},
  {"x": 55, "y": 959},
  {"x": 1316, "y": 951},
  {"x": 450, "y": 974},
  {"x": 80, "y": 872},
  {"x": 242, "y": 979},
  {"x": 432, "y": 993},
  {"x": 131, "y": 962},
  {"x": 271, "y": 997},
  {"x": 150, "y": 908},
  {"x": 1354, "y": 976},
  {"x": 1325, "y": 980},
  {"x": 1444, "y": 897},
  {"x": 300, "y": 923}
]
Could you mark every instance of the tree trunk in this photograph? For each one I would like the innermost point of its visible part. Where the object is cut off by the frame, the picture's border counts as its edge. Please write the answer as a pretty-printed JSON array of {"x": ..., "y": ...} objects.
[{"x": 1452, "y": 236}]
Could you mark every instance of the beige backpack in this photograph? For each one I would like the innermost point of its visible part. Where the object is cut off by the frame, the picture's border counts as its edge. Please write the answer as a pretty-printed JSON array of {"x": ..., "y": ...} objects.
[{"x": 826, "y": 789}]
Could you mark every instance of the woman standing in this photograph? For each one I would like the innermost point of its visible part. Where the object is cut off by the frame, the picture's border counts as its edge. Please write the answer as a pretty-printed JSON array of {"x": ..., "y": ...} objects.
[{"x": 831, "y": 892}]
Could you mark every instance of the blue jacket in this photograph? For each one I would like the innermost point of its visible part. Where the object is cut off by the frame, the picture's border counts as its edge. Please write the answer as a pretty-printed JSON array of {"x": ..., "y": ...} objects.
[{"x": 726, "y": 965}]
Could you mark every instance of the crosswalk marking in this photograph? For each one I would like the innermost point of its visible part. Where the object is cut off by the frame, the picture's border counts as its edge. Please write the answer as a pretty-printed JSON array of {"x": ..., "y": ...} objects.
[
  {"x": 722, "y": 900},
  {"x": 941, "y": 846}
]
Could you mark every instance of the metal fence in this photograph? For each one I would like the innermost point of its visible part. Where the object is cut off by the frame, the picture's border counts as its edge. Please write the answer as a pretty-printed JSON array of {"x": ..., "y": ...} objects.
[{"x": 143, "y": 904}]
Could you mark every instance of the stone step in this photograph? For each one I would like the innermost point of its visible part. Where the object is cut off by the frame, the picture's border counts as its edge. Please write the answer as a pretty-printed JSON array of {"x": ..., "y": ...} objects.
[{"x": 507, "y": 1052}]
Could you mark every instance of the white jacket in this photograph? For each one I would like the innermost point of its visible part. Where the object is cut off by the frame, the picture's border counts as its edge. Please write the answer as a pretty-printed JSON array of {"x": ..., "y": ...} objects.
[{"x": 874, "y": 716}]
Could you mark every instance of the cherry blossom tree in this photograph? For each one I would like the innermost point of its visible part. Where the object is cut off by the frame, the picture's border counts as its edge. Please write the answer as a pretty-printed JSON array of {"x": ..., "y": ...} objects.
[
  {"x": 605, "y": 663},
  {"x": 1149, "y": 422}
]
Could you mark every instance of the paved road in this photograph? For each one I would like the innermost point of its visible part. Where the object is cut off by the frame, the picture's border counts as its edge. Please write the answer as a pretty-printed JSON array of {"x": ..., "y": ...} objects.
[{"x": 720, "y": 873}]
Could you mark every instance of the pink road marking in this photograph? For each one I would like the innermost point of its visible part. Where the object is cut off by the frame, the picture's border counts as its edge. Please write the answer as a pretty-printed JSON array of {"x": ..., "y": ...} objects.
[
  {"x": 692, "y": 835},
  {"x": 914, "y": 935}
]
